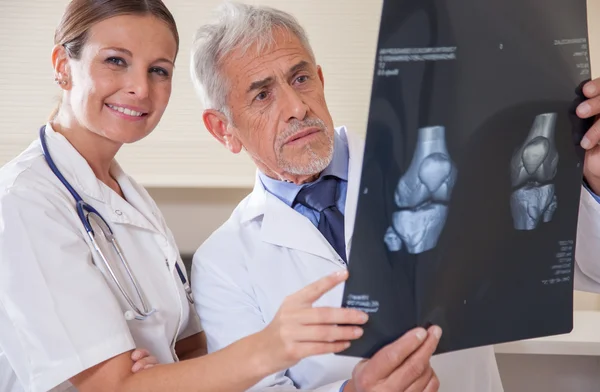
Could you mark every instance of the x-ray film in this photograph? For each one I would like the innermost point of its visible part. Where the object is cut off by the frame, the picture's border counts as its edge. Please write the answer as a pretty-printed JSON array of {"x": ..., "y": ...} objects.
[{"x": 472, "y": 172}]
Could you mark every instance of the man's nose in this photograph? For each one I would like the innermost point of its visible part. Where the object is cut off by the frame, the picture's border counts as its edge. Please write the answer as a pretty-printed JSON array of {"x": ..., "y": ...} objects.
[{"x": 293, "y": 104}]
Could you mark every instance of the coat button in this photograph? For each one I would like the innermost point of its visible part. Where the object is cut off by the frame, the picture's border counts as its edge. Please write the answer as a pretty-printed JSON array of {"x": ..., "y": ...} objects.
[{"x": 118, "y": 212}]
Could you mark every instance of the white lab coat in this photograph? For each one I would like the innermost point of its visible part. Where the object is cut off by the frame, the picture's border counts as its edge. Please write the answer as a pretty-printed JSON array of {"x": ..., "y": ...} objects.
[
  {"x": 267, "y": 251},
  {"x": 587, "y": 247},
  {"x": 58, "y": 314}
]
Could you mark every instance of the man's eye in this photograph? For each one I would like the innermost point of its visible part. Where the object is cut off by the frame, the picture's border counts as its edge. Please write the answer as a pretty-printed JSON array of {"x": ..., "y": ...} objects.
[{"x": 262, "y": 96}]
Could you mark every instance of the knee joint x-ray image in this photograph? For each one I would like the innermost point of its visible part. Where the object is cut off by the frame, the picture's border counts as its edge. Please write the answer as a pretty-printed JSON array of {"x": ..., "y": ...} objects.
[
  {"x": 422, "y": 195},
  {"x": 533, "y": 167},
  {"x": 472, "y": 144}
]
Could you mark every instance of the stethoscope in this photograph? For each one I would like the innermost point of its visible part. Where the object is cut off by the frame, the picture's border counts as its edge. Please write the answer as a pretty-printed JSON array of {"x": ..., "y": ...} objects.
[{"x": 88, "y": 214}]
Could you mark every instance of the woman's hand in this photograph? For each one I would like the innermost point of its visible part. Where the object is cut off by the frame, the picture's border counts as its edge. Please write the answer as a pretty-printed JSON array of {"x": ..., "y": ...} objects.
[
  {"x": 142, "y": 360},
  {"x": 300, "y": 330}
]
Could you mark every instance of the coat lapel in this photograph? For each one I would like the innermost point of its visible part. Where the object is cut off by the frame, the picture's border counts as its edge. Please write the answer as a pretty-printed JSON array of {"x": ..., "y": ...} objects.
[
  {"x": 284, "y": 226},
  {"x": 355, "y": 149}
]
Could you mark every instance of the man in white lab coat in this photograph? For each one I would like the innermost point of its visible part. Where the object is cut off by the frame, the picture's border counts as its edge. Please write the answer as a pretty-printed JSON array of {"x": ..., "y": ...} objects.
[{"x": 266, "y": 96}]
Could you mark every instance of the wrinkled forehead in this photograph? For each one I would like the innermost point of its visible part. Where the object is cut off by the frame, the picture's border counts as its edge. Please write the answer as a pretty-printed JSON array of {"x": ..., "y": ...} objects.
[{"x": 265, "y": 58}]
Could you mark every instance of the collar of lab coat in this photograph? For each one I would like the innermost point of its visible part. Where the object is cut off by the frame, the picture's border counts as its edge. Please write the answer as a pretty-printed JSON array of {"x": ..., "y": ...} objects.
[
  {"x": 276, "y": 213},
  {"x": 80, "y": 175},
  {"x": 73, "y": 166}
]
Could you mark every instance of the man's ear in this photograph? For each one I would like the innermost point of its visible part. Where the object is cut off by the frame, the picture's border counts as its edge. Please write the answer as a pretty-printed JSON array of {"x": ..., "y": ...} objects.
[
  {"x": 320, "y": 73},
  {"x": 218, "y": 125},
  {"x": 62, "y": 70}
]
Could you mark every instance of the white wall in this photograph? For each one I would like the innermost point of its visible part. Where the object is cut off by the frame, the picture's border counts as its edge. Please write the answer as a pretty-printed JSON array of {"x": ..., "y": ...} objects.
[{"x": 192, "y": 214}]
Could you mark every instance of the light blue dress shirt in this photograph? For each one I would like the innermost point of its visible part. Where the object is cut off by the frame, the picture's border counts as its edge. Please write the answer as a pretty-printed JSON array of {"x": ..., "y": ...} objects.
[{"x": 287, "y": 191}]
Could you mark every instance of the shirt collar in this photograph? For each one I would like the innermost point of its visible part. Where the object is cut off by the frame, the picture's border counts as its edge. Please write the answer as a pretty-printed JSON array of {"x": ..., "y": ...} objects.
[
  {"x": 75, "y": 168},
  {"x": 287, "y": 191}
]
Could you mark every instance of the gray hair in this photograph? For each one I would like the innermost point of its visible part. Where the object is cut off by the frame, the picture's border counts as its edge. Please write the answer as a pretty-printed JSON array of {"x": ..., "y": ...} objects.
[{"x": 238, "y": 26}]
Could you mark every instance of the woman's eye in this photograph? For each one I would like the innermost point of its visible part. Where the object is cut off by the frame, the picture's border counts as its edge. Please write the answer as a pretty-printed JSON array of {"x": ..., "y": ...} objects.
[
  {"x": 116, "y": 61},
  {"x": 159, "y": 71}
]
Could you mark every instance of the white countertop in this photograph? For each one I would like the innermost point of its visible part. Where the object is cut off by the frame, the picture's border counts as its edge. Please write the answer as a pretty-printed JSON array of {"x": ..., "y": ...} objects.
[{"x": 583, "y": 340}]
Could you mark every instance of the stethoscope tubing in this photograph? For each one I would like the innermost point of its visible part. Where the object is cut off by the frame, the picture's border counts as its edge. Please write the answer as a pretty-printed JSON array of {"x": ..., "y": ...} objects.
[{"x": 82, "y": 207}]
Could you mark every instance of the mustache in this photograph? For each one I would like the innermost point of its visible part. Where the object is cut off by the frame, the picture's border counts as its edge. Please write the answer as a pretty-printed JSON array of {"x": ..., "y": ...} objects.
[{"x": 296, "y": 126}]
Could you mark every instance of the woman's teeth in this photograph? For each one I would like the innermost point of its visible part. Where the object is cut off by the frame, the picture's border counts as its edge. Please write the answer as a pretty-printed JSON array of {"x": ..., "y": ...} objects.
[{"x": 128, "y": 112}]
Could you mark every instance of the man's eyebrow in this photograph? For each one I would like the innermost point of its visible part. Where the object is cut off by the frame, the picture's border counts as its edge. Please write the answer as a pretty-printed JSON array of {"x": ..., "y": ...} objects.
[
  {"x": 260, "y": 84},
  {"x": 298, "y": 67},
  {"x": 267, "y": 81}
]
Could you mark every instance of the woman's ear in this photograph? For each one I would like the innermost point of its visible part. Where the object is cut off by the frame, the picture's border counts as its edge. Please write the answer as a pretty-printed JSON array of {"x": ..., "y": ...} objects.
[
  {"x": 218, "y": 125},
  {"x": 62, "y": 70}
]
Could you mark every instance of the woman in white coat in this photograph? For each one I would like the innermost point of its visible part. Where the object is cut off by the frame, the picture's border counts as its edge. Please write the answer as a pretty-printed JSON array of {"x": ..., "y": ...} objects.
[{"x": 65, "y": 322}]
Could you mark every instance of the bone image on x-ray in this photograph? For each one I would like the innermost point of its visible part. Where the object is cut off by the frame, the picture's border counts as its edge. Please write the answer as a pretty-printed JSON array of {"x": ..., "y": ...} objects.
[
  {"x": 533, "y": 166},
  {"x": 422, "y": 195}
]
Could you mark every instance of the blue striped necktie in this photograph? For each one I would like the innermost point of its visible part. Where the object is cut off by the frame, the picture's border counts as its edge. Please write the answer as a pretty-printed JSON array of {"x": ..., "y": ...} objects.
[{"x": 321, "y": 197}]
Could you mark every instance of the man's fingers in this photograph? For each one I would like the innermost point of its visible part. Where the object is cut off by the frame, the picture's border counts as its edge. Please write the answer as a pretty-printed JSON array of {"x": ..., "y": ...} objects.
[
  {"x": 386, "y": 360},
  {"x": 309, "y": 294},
  {"x": 359, "y": 366},
  {"x": 434, "y": 384},
  {"x": 310, "y": 349},
  {"x": 325, "y": 333},
  {"x": 313, "y": 316},
  {"x": 592, "y": 88},
  {"x": 421, "y": 383},
  {"x": 591, "y": 137},
  {"x": 417, "y": 363},
  {"x": 589, "y": 108}
]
